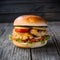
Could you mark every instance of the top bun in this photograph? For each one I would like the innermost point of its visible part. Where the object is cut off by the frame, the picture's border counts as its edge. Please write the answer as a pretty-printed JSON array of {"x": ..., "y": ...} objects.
[{"x": 30, "y": 20}]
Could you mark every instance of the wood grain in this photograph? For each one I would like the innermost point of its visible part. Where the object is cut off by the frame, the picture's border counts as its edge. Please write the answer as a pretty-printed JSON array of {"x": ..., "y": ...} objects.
[
  {"x": 55, "y": 29},
  {"x": 48, "y": 9},
  {"x": 51, "y": 51}
]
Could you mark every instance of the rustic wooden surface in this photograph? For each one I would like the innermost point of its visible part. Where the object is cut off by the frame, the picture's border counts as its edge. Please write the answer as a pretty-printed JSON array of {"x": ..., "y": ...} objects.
[
  {"x": 51, "y": 51},
  {"x": 48, "y": 9}
]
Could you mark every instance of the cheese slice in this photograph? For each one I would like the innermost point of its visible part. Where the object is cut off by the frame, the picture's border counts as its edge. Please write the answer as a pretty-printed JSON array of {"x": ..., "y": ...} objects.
[
  {"x": 21, "y": 27},
  {"x": 41, "y": 28}
]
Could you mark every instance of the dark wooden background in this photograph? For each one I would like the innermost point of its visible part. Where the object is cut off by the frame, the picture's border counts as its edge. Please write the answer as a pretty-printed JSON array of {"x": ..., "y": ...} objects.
[{"x": 48, "y": 9}]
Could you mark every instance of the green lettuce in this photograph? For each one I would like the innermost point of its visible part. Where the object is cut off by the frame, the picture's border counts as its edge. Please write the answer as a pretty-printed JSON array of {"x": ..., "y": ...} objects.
[
  {"x": 47, "y": 37},
  {"x": 10, "y": 37},
  {"x": 18, "y": 40}
]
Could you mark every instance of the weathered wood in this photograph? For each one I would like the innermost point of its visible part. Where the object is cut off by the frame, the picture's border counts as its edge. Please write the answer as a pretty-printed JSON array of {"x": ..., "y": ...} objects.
[
  {"x": 55, "y": 28},
  {"x": 11, "y": 9},
  {"x": 3, "y": 27},
  {"x": 20, "y": 8},
  {"x": 26, "y": 1},
  {"x": 10, "y": 17},
  {"x": 8, "y": 51}
]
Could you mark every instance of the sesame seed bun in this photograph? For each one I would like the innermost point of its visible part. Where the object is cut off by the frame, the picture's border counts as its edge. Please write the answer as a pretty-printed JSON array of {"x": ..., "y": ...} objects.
[{"x": 29, "y": 20}]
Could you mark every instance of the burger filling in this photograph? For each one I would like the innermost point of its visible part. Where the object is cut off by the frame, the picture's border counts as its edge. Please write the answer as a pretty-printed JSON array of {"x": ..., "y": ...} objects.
[{"x": 30, "y": 34}]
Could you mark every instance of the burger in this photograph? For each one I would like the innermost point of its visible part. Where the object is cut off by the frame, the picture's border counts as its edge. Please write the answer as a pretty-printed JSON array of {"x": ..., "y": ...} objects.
[{"x": 30, "y": 31}]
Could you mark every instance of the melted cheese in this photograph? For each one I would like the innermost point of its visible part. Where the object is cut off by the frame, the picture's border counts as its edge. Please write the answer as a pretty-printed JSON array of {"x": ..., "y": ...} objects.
[
  {"x": 21, "y": 27},
  {"x": 41, "y": 28}
]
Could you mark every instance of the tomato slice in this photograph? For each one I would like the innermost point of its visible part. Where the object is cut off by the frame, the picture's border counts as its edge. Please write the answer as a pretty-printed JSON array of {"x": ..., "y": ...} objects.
[
  {"x": 25, "y": 40},
  {"x": 38, "y": 39},
  {"x": 33, "y": 40},
  {"x": 22, "y": 30}
]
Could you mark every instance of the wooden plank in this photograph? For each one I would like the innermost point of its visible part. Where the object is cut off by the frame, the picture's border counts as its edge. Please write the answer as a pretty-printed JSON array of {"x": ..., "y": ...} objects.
[
  {"x": 48, "y": 52},
  {"x": 11, "y": 9},
  {"x": 18, "y": 8},
  {"x": 11, "y": 16},
  {"x": 8, "y": 51},
  {"x": 26, "y": 1},
  {"x": 55, "y": 27},
  {"x": 3, "y": 27}
]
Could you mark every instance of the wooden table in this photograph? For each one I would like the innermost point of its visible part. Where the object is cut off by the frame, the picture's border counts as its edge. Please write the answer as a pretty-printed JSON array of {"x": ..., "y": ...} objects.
[{"x": 51, "y": 51}]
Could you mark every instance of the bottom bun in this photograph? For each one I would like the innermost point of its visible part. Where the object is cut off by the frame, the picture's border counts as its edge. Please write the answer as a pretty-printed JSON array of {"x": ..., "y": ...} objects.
[{"x": 29, "y": 45}]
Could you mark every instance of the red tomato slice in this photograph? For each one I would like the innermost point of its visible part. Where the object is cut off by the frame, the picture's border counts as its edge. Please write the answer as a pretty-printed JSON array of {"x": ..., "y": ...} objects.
[
  {"x": 41, "y": 38},
  {"x": 25, "y": 40},
  {"x": 22, "y": 30},
  {"x": 33, "y": 40}
]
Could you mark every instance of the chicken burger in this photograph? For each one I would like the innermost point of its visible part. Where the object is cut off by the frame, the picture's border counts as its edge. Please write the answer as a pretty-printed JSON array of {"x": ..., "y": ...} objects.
[{"x": 29, "y": 31}]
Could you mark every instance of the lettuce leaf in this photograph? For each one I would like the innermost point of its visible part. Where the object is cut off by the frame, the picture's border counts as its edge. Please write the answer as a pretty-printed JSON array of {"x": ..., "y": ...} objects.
[
  {"x": 42, "y": 41},
  {"x": 18, "y": 40},
  {"x": 47, "y": 37},
  {"x": 10, "y": 37}
]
